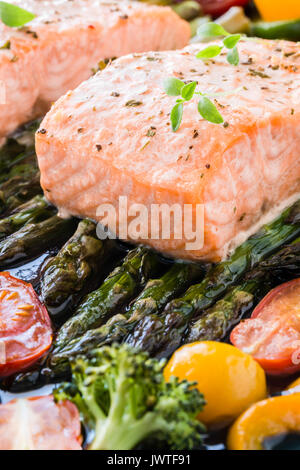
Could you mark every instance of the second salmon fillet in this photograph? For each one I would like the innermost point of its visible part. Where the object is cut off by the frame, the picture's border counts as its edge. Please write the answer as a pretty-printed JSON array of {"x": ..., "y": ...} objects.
[
  {"x": 111, "y": 137},
  {"x": 58, "y": 49}
]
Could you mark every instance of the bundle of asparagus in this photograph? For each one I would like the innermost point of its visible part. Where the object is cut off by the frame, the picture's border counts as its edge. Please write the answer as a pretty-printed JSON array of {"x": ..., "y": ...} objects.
[{"x": 152, "y": 299}]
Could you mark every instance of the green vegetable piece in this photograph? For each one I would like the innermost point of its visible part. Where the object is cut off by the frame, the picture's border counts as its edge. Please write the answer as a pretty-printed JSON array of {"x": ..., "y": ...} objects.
[
  {"x": 33, "y": 239},
  {"x": 35, "y": 210},
  {"x": 23, "y": 185},
  {"x": 115, "y": 292},
  {"x": 122, "y": 396},
  {"x": 70, "y": 271},
  {"x": 209, "y": 111},
  {"x": 14, "y": 16},
  {"x": 289, "y": 30}
]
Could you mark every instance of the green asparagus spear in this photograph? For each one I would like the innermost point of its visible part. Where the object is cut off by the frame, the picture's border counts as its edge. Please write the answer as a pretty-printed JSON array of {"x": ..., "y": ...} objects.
[
  {"x": 285, "y": 264},
  {"x": 33, "y": 239},
  {"x": 65, "y": 275},
  {"x": 153, "y": 298},
  {"x": 167, "y": 329},
  {"x": 35, "y": 210},
  {"x": 17, "y": 148},
  {"x": 19, "y": 189},
  {"x": 218, "y": 320},
  {"x": 115, "y": 292}
]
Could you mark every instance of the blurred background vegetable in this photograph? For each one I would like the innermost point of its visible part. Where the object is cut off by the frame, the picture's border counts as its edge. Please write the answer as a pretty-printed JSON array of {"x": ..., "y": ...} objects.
[{"x": 273, "y": 10}]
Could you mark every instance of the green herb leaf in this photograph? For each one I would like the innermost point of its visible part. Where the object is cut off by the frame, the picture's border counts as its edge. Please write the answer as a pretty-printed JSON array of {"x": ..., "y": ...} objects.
[
  {"x": 211, "y": 30},
  {"x": 231, "y": 41},
  {"x": 176, "y": 116},
  {"x": 11, "y": 15},
  {"x": 173, "y": 86},
  {"x": 209, "y": 52},
  {"x": 187, "y": 92},
  {"x": 233, "y": 56},
  {"x": 209, "y": 111}
]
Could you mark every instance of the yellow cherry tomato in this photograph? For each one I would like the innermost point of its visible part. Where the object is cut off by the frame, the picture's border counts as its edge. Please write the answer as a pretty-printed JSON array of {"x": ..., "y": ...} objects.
[
  {"x": 267, "y": 418},
  {"x": 229, "y": 379},
  {"x": 275, "y": 10}
]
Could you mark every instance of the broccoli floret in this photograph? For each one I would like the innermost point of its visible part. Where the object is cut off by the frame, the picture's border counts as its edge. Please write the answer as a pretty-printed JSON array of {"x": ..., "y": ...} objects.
[{"x": 122, "y": 396}]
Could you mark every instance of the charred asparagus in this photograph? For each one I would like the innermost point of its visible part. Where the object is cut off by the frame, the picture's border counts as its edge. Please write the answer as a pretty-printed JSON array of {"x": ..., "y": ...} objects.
[
  {"x": 65, "y": 275},
  {"x": 32, "y": 239},
  {"x": 153, "y": 298},
  {"x": 35, "y": 210},
  {"x": 19, "y": 189}
]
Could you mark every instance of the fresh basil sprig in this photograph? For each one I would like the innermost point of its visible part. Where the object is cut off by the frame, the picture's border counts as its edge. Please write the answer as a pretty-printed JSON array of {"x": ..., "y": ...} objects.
[
  {"x": 14, "y": 16},
  {"x": 212, "y": 30},
  {"x": 175, "y": 87}
]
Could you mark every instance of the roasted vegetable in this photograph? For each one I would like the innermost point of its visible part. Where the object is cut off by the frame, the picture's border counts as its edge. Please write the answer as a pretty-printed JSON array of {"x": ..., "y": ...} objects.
[
  {"x": 285, "y": 264},
  {"x": 65, "y": 275},
  {"x": 33, "y": 239},
  {"x": 19, "y": 188},
  {"x": 122, "y": 396},
  {"x": 272, "y": 334},
  {"x": 35, "y": 210},
  {"x": 37, "y": 423},
  {"x": 229, "y": 379},
  {"x": 116, "y": 291},
  {"x": 218, "y": 320},
  {"x": 26, "y": 332},
  {"x": 271, "y": 417},
  {"x": 19, "y": 147},
  {"x": 163, "y": 333}
]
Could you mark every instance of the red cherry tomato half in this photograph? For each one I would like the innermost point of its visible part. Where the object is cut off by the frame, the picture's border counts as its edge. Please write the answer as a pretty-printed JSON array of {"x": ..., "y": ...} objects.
[
  {"x": 272, "y": 334},
  {"x": 218, "y": 7},
  {"x": 38, "y": 423},
  {"x": 25, "y": 327}
]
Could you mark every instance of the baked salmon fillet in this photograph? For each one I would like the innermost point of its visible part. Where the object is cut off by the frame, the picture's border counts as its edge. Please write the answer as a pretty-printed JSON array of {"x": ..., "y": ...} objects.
[
  {"x": 112, "y": 137},
  {"x": 58, "y": 49}
]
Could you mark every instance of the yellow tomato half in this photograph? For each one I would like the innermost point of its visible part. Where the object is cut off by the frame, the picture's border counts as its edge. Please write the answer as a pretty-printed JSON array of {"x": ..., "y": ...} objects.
[
  {"x": 273, "y": 10},
  {"x": 267, "y": 418},
  {"x": 229, "y": 379}
]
